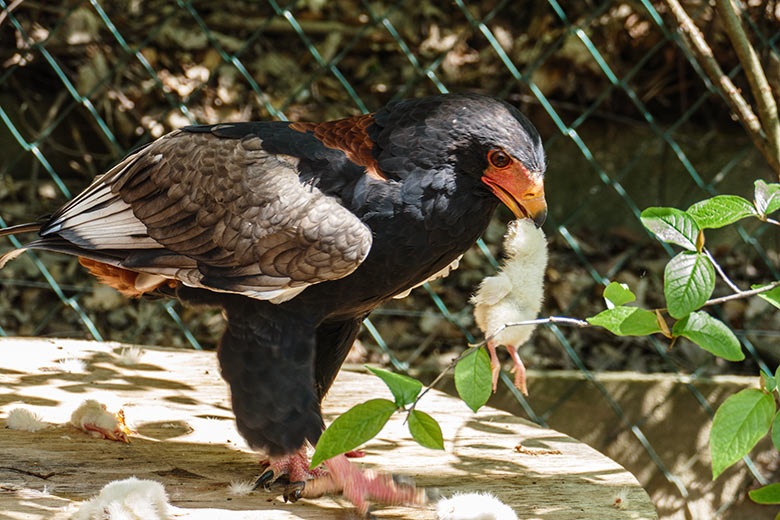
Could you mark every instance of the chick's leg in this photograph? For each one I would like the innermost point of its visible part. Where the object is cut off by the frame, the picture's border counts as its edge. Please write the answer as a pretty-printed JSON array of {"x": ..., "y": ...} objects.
[
  {"x": 290, "y": 475},
  {"x": 112, "y": 435},
  {"x": 362, "y": 487},
  {"x": 495, "y": 366},
  {"x": 518, "y": 369}
]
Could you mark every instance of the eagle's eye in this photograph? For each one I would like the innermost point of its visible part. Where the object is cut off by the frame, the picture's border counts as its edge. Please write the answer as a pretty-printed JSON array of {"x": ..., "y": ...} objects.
[{"x": 499, "y": 159}]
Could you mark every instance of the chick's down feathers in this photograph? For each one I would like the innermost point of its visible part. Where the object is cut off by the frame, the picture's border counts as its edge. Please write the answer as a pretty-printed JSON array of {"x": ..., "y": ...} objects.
[{"x": 516, "y": 292}]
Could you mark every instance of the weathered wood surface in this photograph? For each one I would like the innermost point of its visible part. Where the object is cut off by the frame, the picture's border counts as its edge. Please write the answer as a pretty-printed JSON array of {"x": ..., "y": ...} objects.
[{"x": 186, "y": 439}]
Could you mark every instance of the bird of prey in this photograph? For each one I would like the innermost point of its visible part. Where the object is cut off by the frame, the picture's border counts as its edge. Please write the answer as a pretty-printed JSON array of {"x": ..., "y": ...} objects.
[{"x": 298, "y": 231}]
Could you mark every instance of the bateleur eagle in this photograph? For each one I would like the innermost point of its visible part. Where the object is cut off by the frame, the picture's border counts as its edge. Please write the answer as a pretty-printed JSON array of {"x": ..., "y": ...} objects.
[{"x": 298, "y": 231}]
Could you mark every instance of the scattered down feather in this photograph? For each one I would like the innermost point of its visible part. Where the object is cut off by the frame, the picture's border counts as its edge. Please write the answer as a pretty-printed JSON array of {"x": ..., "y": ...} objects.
[
  {"x": 130, "y": 356},
  {"x": 514, "y": 294},
  {"x": 241, "y": 488},
  {"x": 25, "y": 420},
  {"x": 129, "y": 499},
  {"x": 473, "y": 506}
]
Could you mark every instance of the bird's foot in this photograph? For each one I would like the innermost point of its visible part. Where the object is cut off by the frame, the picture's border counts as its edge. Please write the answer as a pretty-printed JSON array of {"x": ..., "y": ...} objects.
[
  {"x": 495, "y": 366},
  {"x": 112, "y": 435},
  {"x": 288, "y": 474},
  {"x": 362, "y": 487},
  {"x": 518, "y": 368}
]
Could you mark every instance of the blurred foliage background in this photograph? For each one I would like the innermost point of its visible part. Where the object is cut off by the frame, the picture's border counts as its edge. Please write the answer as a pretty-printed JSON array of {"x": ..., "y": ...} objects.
[{"x": 628, "y": 118}]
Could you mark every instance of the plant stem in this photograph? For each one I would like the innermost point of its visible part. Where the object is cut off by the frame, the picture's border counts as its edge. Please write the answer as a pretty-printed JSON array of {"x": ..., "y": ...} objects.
[
  {"x": 718, "y": 268},
  {"x": 736, "y": 295},
  {"x": 762, "y": 91},
  {"x": 695, "y": 42},
  {"x": 539, "y": 321},
  {"x": 449, "y": 367},
  {"x": 742, "y": 294}
]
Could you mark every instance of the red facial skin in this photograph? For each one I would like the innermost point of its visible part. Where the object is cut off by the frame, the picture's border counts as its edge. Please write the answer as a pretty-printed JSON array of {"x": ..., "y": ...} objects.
[{"x": 520, "y": 190}]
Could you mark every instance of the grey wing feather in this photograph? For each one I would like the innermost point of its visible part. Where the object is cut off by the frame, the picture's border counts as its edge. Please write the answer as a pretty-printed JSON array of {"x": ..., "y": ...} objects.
[{"x": 215, "y": 213}]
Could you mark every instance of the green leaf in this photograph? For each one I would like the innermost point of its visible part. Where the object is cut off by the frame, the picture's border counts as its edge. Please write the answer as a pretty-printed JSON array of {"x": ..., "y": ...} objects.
[
  {"x": 689, "y": 279},
  {"x": 672, "y": 225},
  {"x": 766, "y": 495},
  {"x": 772, "y": 295},
  {"x": 720, "y": 211},
  {"x": 626, "y": 321},
  {"x": 617, "y": 294},
  {"x": 473, "y": 378},
  {"x": 404, "y": 388},
  {"x": 425, "y": 430},
  {"x": 738, "y": 425},
  {"x": 776, "y": 432},
  {"x": 770, "y": 383},
  {"x": 352, "y": 428},
  {"x": 711, "y": 334},
  {"x": 766, "y": 197}
]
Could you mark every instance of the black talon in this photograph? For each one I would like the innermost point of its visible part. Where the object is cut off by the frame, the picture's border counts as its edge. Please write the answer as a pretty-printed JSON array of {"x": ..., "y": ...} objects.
[
  {"x": 403, "y": 480},
  {"x": 294, "y": 491},
  {"x": 433, "y": 494},
  {"x": 263, "y": 479},
  {"x": 279, "y": 485}
]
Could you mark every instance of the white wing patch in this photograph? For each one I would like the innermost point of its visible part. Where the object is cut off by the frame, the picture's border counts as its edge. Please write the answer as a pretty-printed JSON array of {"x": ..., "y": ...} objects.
[{"x": 441, "y": 274}]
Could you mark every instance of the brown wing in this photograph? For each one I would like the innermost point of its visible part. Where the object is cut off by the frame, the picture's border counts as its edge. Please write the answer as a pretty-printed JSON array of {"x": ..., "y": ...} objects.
[{"x": 217, "y": 213}]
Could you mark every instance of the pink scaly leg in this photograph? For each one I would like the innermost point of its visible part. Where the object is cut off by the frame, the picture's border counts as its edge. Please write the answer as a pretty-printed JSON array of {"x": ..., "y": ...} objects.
[
  {"x": 288, "y": 474},
  {"x": 495, "y": 366},
  {"x": 116, "y": 435},
  {"x": 361, "y": 487},
  {"x": 518, "y": 369}
]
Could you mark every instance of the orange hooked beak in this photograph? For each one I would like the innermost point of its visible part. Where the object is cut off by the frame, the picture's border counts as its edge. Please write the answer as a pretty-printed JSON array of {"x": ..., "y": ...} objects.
[{"x": 520, "y": 190}]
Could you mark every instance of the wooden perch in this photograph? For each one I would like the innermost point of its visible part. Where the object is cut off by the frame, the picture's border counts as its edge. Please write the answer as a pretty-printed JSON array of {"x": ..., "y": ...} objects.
[{"x": 185, "y": 438}]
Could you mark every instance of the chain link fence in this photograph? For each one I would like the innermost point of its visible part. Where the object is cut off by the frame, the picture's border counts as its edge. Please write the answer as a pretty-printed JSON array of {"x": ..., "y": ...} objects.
[{"x": 629, "y": 121}]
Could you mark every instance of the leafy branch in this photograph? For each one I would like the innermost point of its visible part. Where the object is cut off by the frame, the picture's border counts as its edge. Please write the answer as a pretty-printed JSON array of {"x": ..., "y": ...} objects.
[
  {"x": 574, "y": 322},
  {"x": 689, "y": 281}
]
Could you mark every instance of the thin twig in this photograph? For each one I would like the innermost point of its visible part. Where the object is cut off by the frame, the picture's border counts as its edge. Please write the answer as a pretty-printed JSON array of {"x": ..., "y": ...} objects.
[
  {"x": 42, "y": 476},
  {"x": 539, "y": 321},
  {"x": 8, "y": 9},
  {"x": 582, "y": 324},
  {"x": 736, "y": 295},
  {"x": 719, "y": 269},
  {"x": 695, "y": 42},
  {"x": 742, "y": 294},
  {"x": 762, "y": 91},
  {"x": 449, "y": 367}
]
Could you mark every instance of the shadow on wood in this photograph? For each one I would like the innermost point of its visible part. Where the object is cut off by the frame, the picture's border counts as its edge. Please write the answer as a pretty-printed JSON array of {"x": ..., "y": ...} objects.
[{"x": 186, "y": 439}]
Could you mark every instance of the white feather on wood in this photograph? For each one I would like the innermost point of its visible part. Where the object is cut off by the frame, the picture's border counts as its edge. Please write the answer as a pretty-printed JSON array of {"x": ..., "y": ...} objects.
[
  {"x": 473, "y": 506},
  {"x": 129, "y": 499},
  {"x": 241, "y": 487},
  {"x": 130, "y": 355},
  {"x": 25, "y": 420}
]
